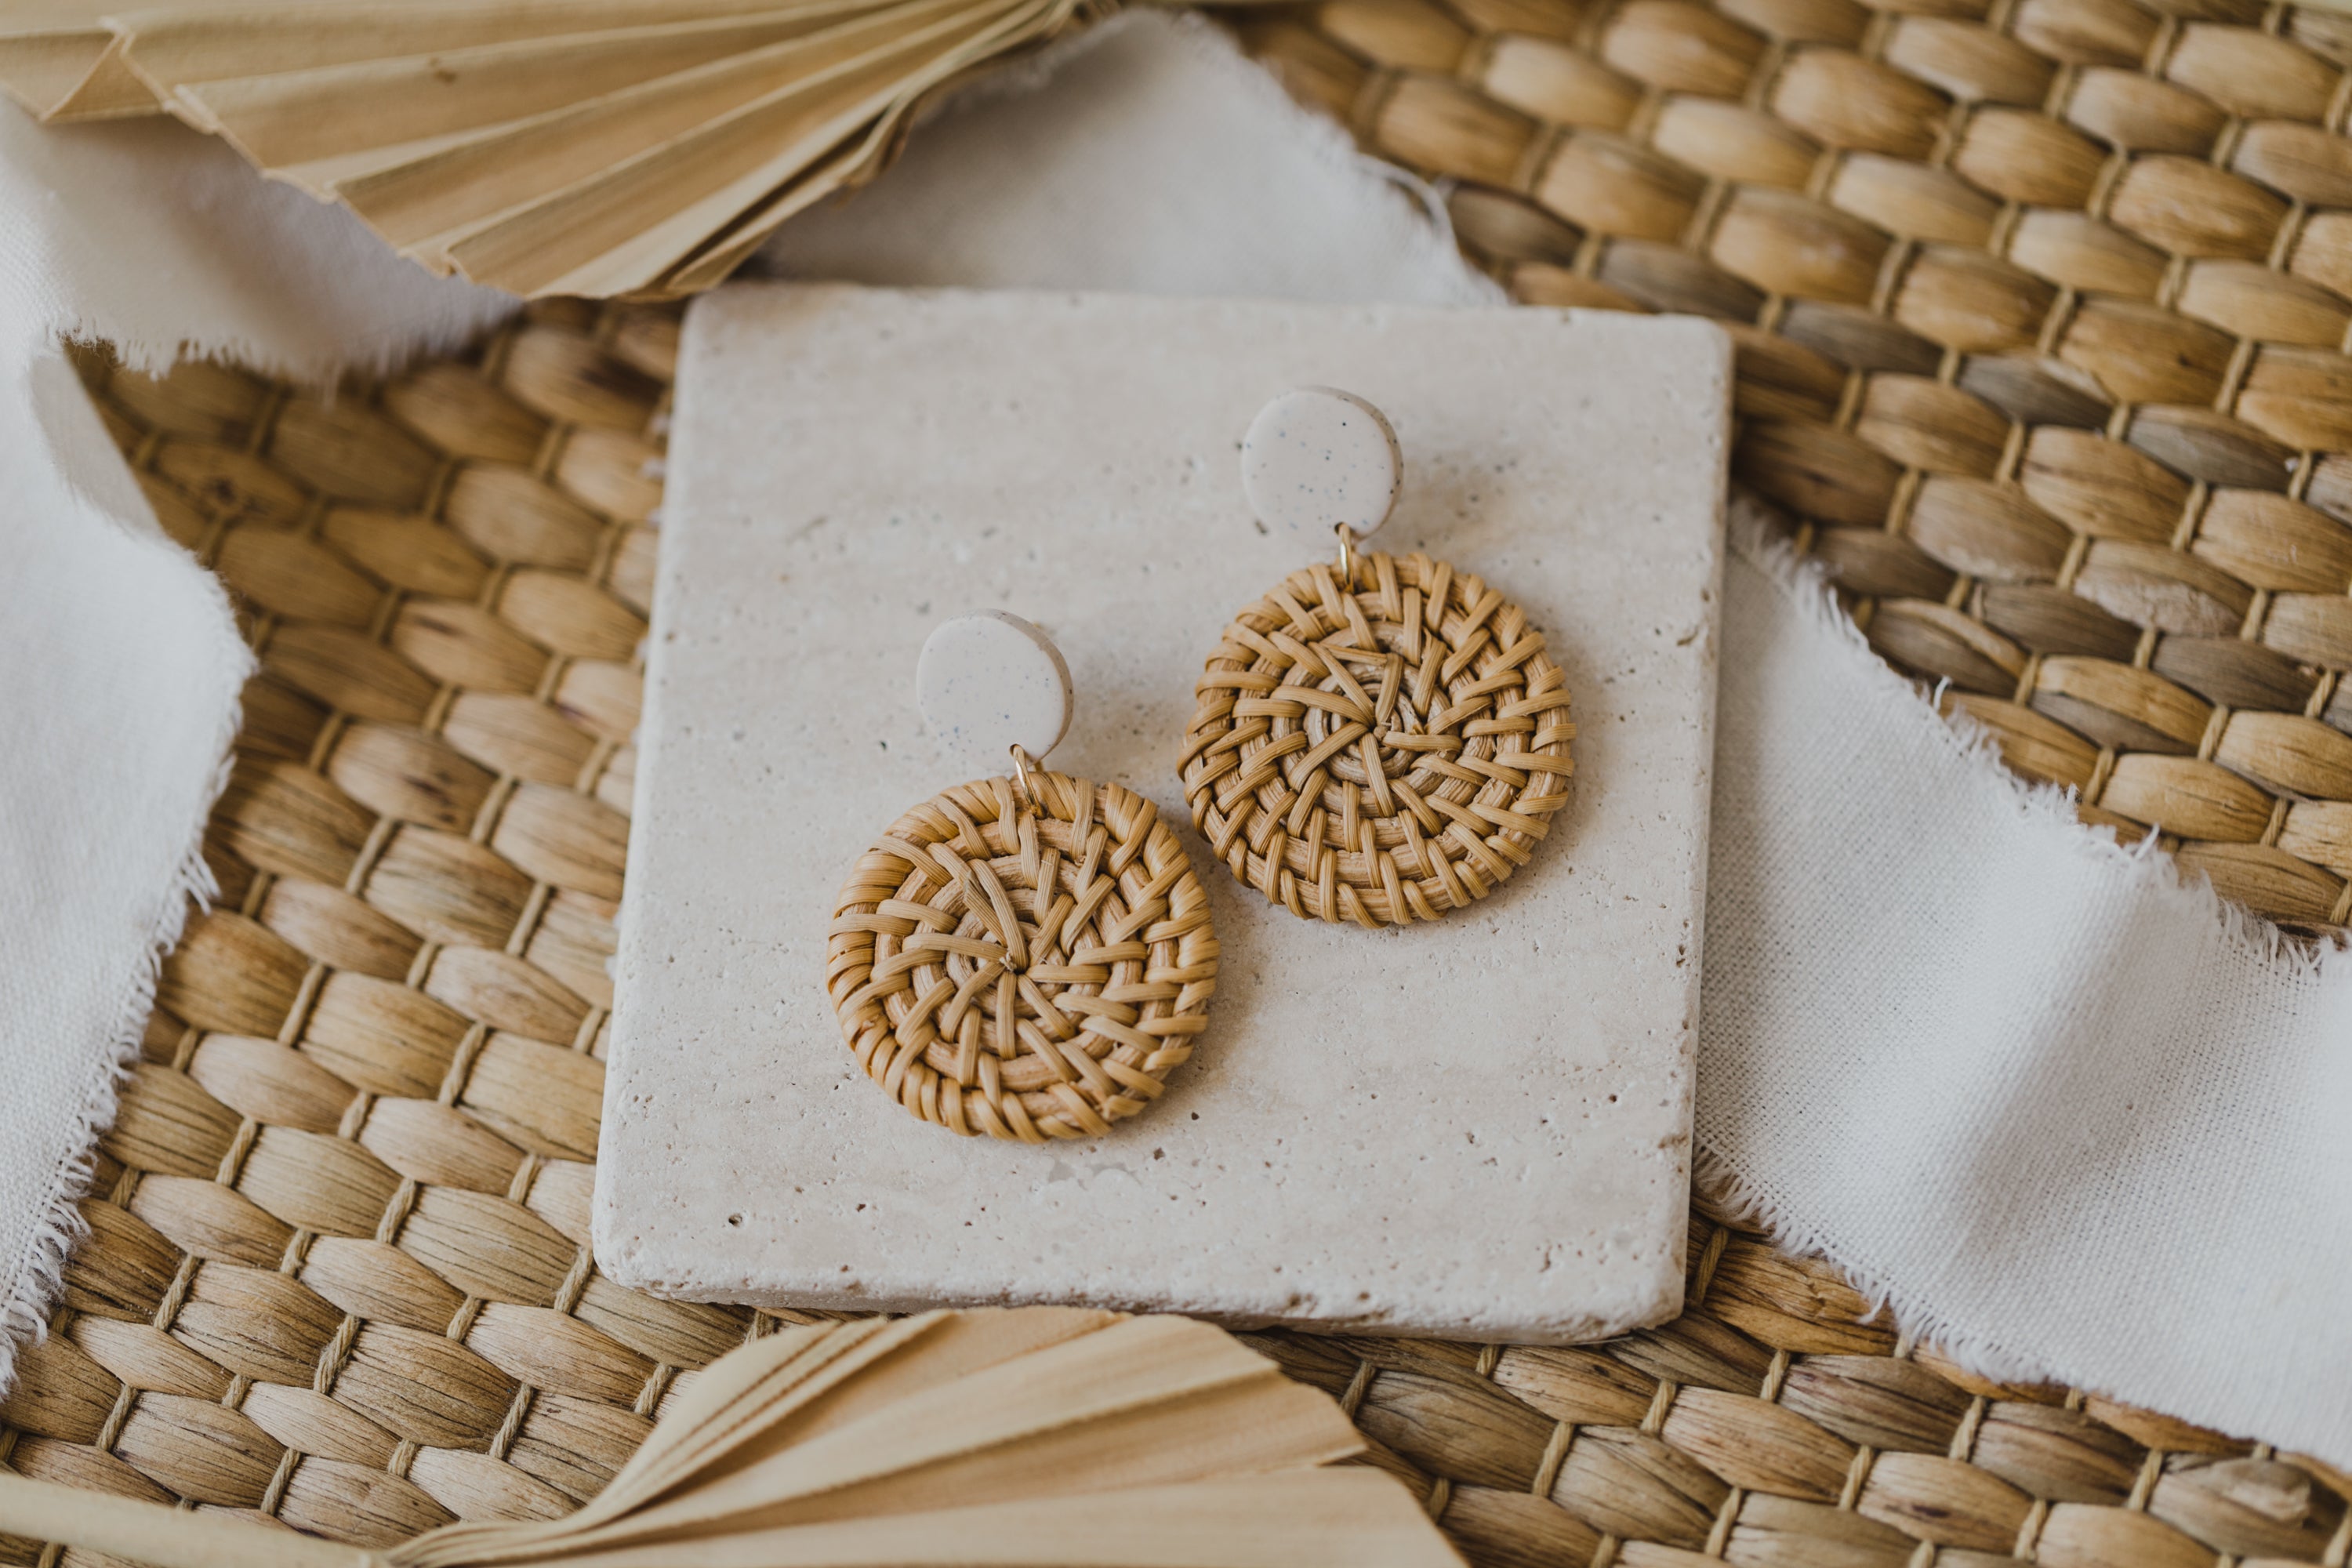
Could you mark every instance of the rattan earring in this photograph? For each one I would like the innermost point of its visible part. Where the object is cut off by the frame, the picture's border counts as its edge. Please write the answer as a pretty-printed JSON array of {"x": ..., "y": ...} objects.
[
  {"x": 1027, "y": 956},
  {"x": 1381, "y": 739}
]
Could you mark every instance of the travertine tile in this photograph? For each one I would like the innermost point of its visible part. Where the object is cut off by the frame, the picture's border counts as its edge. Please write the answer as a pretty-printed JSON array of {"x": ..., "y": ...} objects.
[{"x": 1479, "y": 1127}]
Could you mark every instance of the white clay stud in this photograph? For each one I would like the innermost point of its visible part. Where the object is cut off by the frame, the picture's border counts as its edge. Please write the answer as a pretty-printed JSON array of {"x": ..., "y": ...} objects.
[
  {"x": 992, "y": 682},
  {"x": 1316, "y": 459}
]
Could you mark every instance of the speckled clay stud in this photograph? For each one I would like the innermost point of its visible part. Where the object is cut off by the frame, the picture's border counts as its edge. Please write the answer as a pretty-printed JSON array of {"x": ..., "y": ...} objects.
[
  {"x": 1383, "y": 738},
  {"x": 1027, "y": 956}
]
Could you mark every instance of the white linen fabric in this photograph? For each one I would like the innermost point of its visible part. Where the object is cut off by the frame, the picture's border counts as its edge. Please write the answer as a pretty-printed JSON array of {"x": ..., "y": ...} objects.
[
  {"x": 2069, "y": 1117},
  {"x": 120, "y": 664}
]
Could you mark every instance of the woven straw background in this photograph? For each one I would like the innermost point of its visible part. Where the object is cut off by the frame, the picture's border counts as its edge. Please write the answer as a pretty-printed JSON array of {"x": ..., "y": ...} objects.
[
  {"x": 2040, "y": 348},
  {"x": 2042, "y": 307}
]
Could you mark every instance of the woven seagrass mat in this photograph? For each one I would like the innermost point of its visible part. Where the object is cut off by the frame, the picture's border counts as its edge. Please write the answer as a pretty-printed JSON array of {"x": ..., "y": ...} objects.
[
  {"x": 2039, "y": 316},
  {"x": 2041, "y": 308}
]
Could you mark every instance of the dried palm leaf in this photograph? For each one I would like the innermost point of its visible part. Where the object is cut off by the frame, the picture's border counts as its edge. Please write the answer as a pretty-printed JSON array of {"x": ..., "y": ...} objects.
[
  {"x": 1039, "y": 1436},
  {"x": 638, "y": 148}
]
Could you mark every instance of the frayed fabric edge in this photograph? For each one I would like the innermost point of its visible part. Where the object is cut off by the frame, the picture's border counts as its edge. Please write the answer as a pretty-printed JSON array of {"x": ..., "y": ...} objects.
[
  {"x": 1425, "y": 228},
  {"x": 36, "y": 1280},
  {"x": 374, "y": 357},
  {"x": 40, "y": 1277},
  {"x": 1743, "y": 1202},
  {"x": 1757, "y": 536}
]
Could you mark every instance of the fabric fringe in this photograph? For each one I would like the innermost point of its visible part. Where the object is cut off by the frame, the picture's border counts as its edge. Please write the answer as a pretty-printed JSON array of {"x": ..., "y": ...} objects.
[
  {"x": 38, "y": 1277},
  {"x": 1760, "y": 535},
  {"x": 369, "y": 359},
  {"x": 1424, "y": 229},
  {"x": 1430, "y": 241},
  {"x": 41, "y": 1281},
  {"x": 1745, "y": 1204}
]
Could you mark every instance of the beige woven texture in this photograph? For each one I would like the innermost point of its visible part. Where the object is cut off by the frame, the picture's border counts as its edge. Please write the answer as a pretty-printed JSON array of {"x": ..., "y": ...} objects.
[
  {"x": 1028, "y": 961},
  {"x": 2041, "y": 308},
  {"x": 338, "y": 1269},
  {"x": 1380, "y": 751}
]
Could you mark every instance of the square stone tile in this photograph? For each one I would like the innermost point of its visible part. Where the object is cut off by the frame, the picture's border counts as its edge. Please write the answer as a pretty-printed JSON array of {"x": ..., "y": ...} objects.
[{"x": 1478, "y": 1128}]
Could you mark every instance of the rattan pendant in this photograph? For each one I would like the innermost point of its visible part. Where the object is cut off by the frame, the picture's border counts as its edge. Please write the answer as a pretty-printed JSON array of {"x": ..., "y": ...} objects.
[
  {"x": 1027, "y": 957},
  {"x": 1383, "y": 739}
]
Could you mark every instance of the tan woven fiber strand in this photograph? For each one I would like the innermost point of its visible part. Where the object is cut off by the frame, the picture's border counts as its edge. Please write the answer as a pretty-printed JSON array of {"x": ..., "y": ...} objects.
[
  {"x": 1027, "y": 963},
  {"x": 1039, "y": 1437},
  {"x": 1380, "y": 751},
  {"x": 337, "y": 1271},
  {"x": 2040, "y": 307}
]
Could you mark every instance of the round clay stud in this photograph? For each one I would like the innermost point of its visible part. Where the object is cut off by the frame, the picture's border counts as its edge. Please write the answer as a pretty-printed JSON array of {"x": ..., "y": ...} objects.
[
  {"x": 992, "y": 682},
  {"x": 1027, "y": 966},
  {"x": 1316, "y": 458},
  {"x": 1381, "y": 751}
]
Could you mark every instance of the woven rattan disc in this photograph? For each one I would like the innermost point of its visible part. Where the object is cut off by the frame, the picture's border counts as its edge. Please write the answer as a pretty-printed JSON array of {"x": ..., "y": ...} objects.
[
  {"x": 1029, "y": 970},
  {"x": 1379, "y": 754}
]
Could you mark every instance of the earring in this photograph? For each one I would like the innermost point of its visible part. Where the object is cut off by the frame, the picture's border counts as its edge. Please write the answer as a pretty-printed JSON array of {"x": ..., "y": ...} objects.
[
  {"x": 1026, "y": 956},
  {"x": 1380, "y": 740}
]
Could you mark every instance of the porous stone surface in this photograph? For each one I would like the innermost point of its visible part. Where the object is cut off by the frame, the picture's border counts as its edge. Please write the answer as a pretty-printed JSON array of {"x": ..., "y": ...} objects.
[{"x": 1478, "y": 1127}]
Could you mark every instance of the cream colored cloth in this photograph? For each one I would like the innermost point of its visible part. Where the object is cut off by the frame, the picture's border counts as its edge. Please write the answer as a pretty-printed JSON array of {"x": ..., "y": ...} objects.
[
  {"x": 2070, "y": 1118},
  {"x": 120, "y": 666},
  {"x": 2060, "y": 1110}
]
